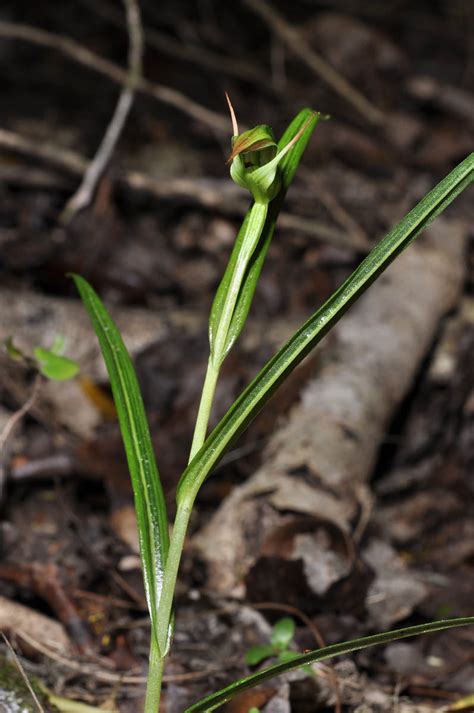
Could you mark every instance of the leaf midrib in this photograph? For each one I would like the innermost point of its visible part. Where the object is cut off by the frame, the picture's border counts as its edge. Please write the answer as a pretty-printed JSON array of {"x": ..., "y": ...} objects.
[{"x": 135, "y": 441}]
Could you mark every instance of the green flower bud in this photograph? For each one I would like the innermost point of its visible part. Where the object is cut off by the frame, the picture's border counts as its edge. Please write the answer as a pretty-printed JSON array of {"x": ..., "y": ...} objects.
[
  {"x": 253, "y": 163},
  {"x": 255, "y": 159}
]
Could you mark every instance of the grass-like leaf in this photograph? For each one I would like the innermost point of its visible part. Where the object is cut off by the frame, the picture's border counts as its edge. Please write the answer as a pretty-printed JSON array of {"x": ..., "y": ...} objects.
[
  {"x": 287, "y": 168},
  {"x": 150, "y": 505},
  {"x": 249, "y": 403},
  {"x": 214, "y": 700}
]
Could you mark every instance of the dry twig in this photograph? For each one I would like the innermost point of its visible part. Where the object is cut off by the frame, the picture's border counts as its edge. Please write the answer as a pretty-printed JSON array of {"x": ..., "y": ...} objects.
[
  {"x": 454, "y": 100},
  {"x": 230, "y": 66},
  {"x": 100, "y": 674},
  {"x": 301, "y": 48},
  {"x": 18, "y": 415},
  {"x": 210, "y": 193},
  {"x": 23, "y": 674},
  {"x": 80, "y": 54},
  {"x": 202, "y": 191},
  {"x": 337, "y": 211},
  {"x": 83, "y": 196}
]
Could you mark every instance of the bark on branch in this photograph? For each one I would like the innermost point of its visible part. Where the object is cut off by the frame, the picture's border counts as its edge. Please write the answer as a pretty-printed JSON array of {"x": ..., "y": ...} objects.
[
  {"x": 82, "y": 55},
  {"x": 318, "y": 463}
]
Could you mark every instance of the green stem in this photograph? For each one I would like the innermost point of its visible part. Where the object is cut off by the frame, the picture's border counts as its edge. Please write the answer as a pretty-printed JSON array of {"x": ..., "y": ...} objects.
[
  {"x": 165, "y": 606},
  {"x": 256, "y": 222},
  {"x": 163, "y": 616},
  {"x": 205, "y": 406},
  {"x": 154, "y": 678}
]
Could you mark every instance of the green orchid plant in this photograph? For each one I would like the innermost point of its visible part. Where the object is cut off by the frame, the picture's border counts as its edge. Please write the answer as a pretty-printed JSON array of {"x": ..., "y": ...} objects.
[
  {"x": 256, "y": 165},
  {"x": 265, "y": 168}
]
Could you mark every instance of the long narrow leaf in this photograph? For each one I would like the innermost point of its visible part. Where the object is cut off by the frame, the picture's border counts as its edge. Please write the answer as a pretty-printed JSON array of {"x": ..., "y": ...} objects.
[
  {"x": 214, "y": 700},
  {"x": 150, "y": 505},
  {"x": 291, "y": 354}
]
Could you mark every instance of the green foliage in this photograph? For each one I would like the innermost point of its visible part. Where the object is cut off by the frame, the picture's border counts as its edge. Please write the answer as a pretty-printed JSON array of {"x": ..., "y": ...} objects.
[
  {"x": 281, "y": 639},
  {"x": 54, "y": 366},
  {"x": 256, "y": 159},
  {"x": 150, "y": 505},
  {"x": 213, "y": 701},
  {"x": 266, "y": 169},
  {"x": 251, "y": 401},
  {"x": 49, "y": 362},
  {"x": 283, "y": 633},
  {"x": 253, "y": 239},
  {"x": 235, "y": 293},
  {"x": 259, "y": 653}
]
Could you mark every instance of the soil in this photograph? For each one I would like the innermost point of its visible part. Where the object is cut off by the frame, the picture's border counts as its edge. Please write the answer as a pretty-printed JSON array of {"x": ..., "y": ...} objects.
[{"x": 68, "y": 538}]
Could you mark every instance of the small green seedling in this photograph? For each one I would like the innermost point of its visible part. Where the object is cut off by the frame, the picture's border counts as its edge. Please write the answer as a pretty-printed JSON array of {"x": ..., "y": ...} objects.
[
  {"x": 282, "y": 636},
  {"x": 12, "y": 350},
  {"x": 266, "y": 168},
  {"x": 52, "y": 364},
  {"x": 49, "y": 362}
]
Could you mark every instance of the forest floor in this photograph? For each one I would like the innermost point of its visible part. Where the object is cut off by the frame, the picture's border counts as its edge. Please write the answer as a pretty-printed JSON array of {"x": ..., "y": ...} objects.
[{"x": 392, "y": 543}]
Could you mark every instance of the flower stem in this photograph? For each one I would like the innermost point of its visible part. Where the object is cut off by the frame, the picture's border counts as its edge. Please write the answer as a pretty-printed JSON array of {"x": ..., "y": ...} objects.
[
  {"x": 205, "y": 406},
  {"x": 158, "y": 649},
  {"x": 154, "y": 678},
  {"x": 220, "y": 345},
  {"x": 163, "y": 616}
]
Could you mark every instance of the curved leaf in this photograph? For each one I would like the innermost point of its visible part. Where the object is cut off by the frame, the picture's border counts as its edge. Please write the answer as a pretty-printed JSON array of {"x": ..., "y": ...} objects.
[
  {"x": 249, "y": 403},
  {"x": 283, "y": 632},
  {"x": 214, "y": 700},
  {"x": 150, "y": 505},
  {"x": 225, "y": 324}
]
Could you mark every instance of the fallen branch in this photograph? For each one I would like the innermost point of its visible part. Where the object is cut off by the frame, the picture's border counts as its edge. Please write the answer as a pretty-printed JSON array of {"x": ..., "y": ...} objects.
[
  {"x": 317, "y": 464},
  {"x": 80, "y": 54},
  {"x": 101, "y": 674},
  {"x": 454, "y": 100},
  {"x": 230, "y": 66},
  {"x": 207, "y": 192},
  {"x": 83, "y": 195},
  {"x": 214, "y": 194},
  {"x": 50, "y": 153},
  {"x": 337, "y": 211},
  {"x": 19, "y": 620},
  {"x": 302, "y": 49}
]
